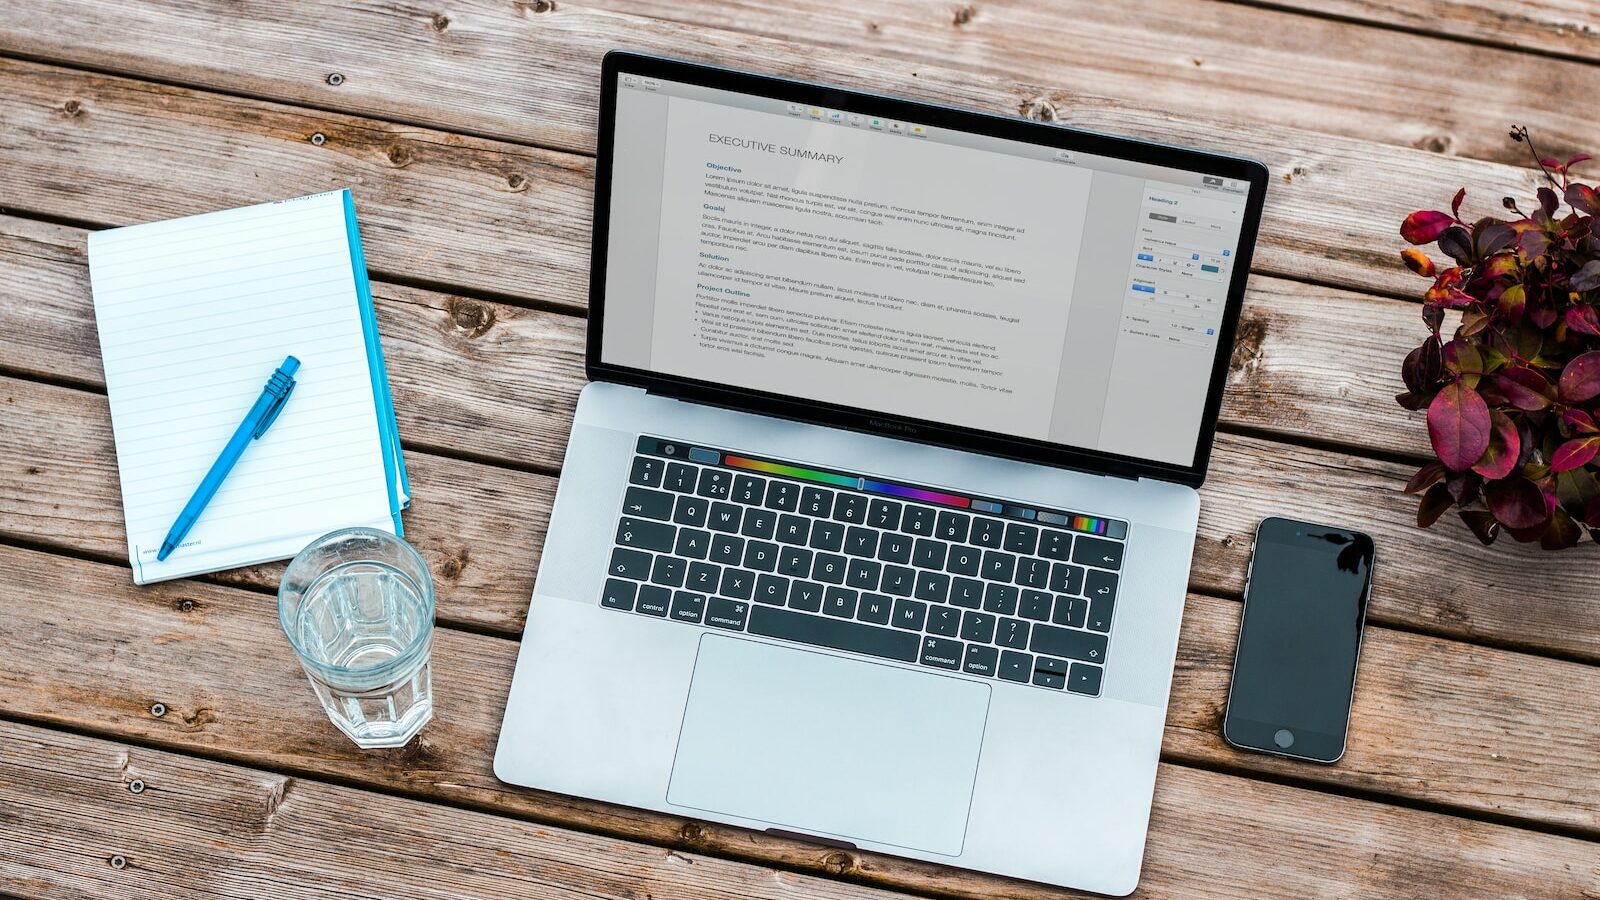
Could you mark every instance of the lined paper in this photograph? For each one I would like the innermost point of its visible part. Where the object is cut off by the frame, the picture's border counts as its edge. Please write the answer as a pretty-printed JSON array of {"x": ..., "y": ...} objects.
[{"x": 194, "y": 316}]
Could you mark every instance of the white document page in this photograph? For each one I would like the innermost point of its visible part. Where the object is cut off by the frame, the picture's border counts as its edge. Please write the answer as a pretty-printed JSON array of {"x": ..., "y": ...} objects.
[{"x": 195, "y": 315}]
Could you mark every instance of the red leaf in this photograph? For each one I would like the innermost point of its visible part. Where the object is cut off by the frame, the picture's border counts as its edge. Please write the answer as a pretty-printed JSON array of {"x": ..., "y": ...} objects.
[
  {"x": 1580, "y": 380},
  {"x": 1417, "y": 261},
  {"x": 1425, "y": 226},
  {"x": 1581, "y": 157},
  {"x": 1517, "y": 503},
  {"x": 1582, "y": 319},
  {"x": 1583, "y": 198},
  {"x": 1455, "y": 204},
  {"x": 1525, "y": 388},
  {"x": 1580, "y": 421},
  {"x": 1458, "y": 426},
  {"x": 1433, "y": 505},
  {"x": 1426, "y": 477},
  {"x": 1574, "y": 453},
  {"x": 1505, "y": 446},
  {"x": 1513, "y": 301}
]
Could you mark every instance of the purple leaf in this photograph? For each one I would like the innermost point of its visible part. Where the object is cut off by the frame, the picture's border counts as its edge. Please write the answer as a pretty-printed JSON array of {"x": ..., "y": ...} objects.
[
  {"x": 1583, "y": 199},
  {"x": 1582, "y": 319},
  {"x": 1581, "y": 422},
  {"x": 1574, "y": 454},
  {"x": 1505, "y": 446},
  {"x": 1457, "y": 244},
  {"x": 1433, "y": 505},
  {"x": 1517, "y": 503},
  {"x": 1548, "y": 201},
  {"x": 1458, "y": 426},
  {"x": 1586, "y": 278},
  {"x": 1580, "y": 380},
  {"x": 1525, "y": 388},
  {"x": 1482, "y": 524},
  {"x": 1426, "y": 477}
]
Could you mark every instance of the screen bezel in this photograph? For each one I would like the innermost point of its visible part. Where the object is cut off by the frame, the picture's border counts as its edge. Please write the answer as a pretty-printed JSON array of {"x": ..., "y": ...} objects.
[
  {"x": 1255, "y": 734},
  {"x": 874, "y": 422}
]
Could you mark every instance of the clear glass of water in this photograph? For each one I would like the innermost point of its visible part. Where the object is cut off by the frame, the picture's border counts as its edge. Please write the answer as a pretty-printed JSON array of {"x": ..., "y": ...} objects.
[{"x": 357, "y": 606}]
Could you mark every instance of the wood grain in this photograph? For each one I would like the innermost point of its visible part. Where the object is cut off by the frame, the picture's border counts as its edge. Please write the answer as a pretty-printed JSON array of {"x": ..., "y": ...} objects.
[
  {"x": 1566, "y": 28},
  {"x": 132, "y": 647},
  {"x": 518, "y": 69},
  {"x": 441, "y": 209},
  {"x": 200, "y": 828}
]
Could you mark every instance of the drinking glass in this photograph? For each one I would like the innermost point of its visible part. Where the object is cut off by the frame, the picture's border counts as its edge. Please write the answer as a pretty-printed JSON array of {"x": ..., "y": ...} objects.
[{"x": 357, "y": 606}]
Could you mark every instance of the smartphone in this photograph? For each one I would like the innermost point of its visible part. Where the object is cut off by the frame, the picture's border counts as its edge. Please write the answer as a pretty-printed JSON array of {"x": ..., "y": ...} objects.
[{"x": 1294, "y": 672}]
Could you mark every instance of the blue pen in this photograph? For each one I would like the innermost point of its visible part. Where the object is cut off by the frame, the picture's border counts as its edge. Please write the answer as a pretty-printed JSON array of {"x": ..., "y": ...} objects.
[{"x": 255, "y": 424}]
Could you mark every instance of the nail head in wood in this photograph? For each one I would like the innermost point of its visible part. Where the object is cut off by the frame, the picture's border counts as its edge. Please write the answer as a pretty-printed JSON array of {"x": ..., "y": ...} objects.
[
  {"x": 136, "y": 786},
  {"x": 117, "y": 862},
  {"x": 335, "y": 79},
  {"x": 158, "y": 709},
  {"x": 319, "y": 139}
]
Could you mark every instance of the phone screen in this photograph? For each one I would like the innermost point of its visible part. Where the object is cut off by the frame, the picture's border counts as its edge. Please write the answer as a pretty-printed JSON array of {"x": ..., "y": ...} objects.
[{"x": 1299, "y": 639}]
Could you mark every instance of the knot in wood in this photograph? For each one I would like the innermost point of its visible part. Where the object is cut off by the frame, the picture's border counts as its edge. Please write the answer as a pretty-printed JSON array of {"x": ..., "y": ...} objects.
[
  {"x": 517, "y": 182},
  {"x": 71, "y": 108},
  {"x": 439, "y": 22},
  {"x": 537, "y": 6},
  {"x": 691, "y": 833},
  {"x": 469, "y": 316},
  {"x": 1039, "y": 109},
  {"x": 838, "y": 862},
  {"x": 452, "y": 566},
  {"x": 399, "y": 156},
  {"x": 186, "y": 606},
  {"x": 963, "y": 15}
]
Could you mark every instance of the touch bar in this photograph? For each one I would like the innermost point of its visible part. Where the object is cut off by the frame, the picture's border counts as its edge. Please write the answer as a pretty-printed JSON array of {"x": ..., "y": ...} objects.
[
  {"x": 900, "y": 490},
  {"x": 772, "y": 468}
]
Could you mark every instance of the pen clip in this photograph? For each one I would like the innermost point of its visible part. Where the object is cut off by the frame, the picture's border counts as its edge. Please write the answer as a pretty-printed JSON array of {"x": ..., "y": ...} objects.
[{"x": 271, "y": 415}]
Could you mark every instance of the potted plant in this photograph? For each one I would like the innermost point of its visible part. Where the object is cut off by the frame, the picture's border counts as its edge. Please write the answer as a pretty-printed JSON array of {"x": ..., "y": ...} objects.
[{"x": 1513, "y": 397}]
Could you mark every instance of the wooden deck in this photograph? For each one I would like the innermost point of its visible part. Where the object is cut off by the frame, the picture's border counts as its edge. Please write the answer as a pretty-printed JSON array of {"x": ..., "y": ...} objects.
[{"x": 465, "y": 128}]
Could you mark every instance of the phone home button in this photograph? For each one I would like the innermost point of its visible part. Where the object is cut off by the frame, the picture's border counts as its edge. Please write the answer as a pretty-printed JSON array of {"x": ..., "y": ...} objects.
[{"x": 1284, "y": 738}]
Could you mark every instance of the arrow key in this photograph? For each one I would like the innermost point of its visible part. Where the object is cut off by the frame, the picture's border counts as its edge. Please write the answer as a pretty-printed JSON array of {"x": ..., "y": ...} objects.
[
  {"x": 644, "y": 534},
  {"x": 625, "y": 563}
]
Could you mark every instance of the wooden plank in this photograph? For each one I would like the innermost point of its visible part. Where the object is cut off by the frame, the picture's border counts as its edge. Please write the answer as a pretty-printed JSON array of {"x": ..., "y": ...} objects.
[
  {"x": 131, "y": 647},
  {"x": 1227, "y": 61},
  {"x": 1566, "y": 28},
  {"x": 110, "y": 151},
  {"x": 518, "y": 70},
  {"x": 201, "y": 828}
]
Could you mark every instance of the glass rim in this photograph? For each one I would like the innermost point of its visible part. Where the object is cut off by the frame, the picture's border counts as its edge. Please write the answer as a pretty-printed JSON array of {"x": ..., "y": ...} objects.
[{"x": 418, "y": 645}]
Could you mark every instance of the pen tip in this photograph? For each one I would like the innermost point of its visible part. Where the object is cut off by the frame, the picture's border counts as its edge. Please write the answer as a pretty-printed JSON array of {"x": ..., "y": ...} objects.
[{"x": 164, "y": 552}]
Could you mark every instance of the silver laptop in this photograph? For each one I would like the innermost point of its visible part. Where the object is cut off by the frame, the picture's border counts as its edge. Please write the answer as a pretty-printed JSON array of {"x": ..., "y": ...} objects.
[{"x": 876, "y": 518}]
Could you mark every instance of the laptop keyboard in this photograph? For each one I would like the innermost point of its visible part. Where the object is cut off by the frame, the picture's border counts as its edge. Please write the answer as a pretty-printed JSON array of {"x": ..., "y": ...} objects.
[{"x": 782, "y": 550}]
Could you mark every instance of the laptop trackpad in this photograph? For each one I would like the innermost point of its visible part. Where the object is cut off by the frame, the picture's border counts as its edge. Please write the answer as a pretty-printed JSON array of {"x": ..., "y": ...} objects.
[{"x": 824, "y": 745}]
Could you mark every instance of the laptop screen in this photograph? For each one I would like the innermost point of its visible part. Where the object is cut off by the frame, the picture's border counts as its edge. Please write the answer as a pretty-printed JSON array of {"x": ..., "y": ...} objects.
[{"x": 915, "y": 270}]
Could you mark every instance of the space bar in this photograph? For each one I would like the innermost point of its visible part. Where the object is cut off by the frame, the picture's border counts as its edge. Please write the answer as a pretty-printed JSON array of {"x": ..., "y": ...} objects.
[{"x": 836, "y": 633}]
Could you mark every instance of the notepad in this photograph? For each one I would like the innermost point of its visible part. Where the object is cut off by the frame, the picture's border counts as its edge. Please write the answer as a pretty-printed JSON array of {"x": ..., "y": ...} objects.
[{"x": 194, "y": 316}]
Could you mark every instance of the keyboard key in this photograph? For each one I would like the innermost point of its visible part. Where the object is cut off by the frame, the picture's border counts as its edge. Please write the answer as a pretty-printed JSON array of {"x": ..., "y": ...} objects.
[
  {"x": 1093, "y": 551},
  {"x": 1055, "y": 544},
  {"x": 875, "y": 608},
  {"x": 928, "y": 554},
  {"x": 1012, "y": 633},
  {"x": 805, "y": 595},
  {"x": 977, "y": 626},
  {"x": 679, "y": 477},
  {"x": 838, "y": 634},
  {"x": 1022, "y": 538},
  {"x": 1000, "y": 598},
  {"x": 691, "y": 511},
  {"x": 980, "y": 660},
  {"x": 816, "y": 502},
  {"x": 783, "y": 496},
  {"x": 839, "y": 602},
  {"x": 850, "y": 509},
  {"x": 964, "y": 561},
  {"x": 910, "y": 614},
  {"x": 1066, "y": 578},
  {"x": 933, "y": 587},
  {"x": 1068, "y": 642},
  {"x": 952, "y": 526},
  {"x": 1100, "y": 586},
  {"x": 829, "y": 567},
  {"x": 918, "y": 520},
  {"x": 793, "y": 529},
  {"x": 1085, "y": 679},
  {"x": 703, "y": 577},
  {"x": 644, "y": 534},
  {"x": 1072, "y": 611},
  {"x": 898, "y": 580},
  {"x": 999, "y": 566},
  {"x": 944, "y": 620},
  {"x": 724, "y": 613},
  {"x": 646, "y": 471},
  {"x": 1035, "y": 605},
  {"x": 724, "y": 517},
  {"x": 714, "y": 483},
  {"x": 627, "y": 563},
  {"x": 1033, "y": 572},
  {"x": 669, "y": 570},
  {"x": 771, "y": 589},
  {"x": 693, "y": 543},
  {"x": 966, "y": 592},
  {"x": 860, "y": 541},
  {"x": 794, "y": 562},
  {"x": 618, "y": 594},
  {"x": 941, "y": 653},
  {"x": 650, "y": 504},
  {"x": 653, "y": 600},
  {"x": 1016, "y": 666},
  {"x": 895, "y": 548},
  {"x": 1100, "y": 613},
  {"x": 726, "y": 549},
  {"x": 1050, "y": 673},
  {"x": 988, "y": 533},
  {"x": 759, "y": 523},
  {"x": 863, "y": 574},
  {"x": 738, "y": 583},
  {"x": 827, "y": 535},
  {"x": 761, "y": 556},
  {"x": 687, "y": 607},
  {"x": 748, "y": 489},
  {"x": 884, "y": 514}
]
